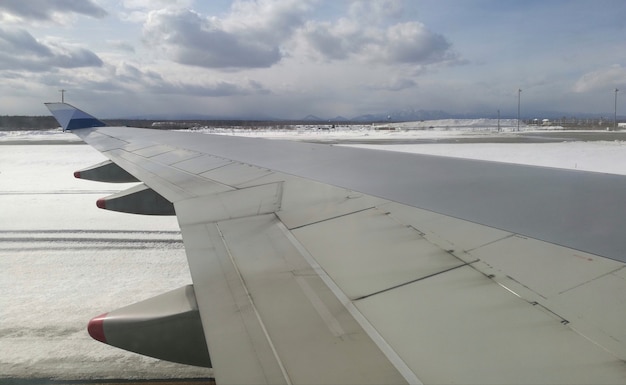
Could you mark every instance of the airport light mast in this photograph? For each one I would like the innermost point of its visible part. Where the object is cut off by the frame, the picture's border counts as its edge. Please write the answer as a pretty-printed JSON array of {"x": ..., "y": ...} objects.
[
  {"x": 498, "y": 120},
  {"x": 615, "y": 114},
  {"x": 519, "y": 93}
]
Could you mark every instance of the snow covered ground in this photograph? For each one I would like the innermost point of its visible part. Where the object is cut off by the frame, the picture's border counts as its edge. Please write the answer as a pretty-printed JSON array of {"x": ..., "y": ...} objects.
[
  {"x": 63, "y": 261},
  {"x": 56, "y": 135},
  {"x": 597, "y": 156},
  {"x": 447, "y": 128},
  {"x": 600, "y": 156}
]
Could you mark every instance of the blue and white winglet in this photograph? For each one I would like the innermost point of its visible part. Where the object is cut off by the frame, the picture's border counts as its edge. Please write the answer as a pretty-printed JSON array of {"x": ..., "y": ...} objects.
[{"x": 71, "y": 118}]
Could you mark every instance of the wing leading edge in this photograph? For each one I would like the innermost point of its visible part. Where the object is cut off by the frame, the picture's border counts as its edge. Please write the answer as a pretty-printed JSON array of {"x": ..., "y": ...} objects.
[{"x": 305, "y": 271}]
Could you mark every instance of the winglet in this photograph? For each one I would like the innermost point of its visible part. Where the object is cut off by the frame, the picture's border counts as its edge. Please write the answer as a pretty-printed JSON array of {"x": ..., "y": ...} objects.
[{"x": 71, "y": 118}]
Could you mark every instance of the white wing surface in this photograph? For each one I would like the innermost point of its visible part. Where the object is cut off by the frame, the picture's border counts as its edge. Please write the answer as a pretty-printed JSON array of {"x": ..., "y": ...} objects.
[{"x": 320, "y": 264}]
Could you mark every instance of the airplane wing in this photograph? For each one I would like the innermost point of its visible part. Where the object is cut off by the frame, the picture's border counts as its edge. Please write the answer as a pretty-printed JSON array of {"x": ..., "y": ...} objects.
[{"x": 320, "y": 264}]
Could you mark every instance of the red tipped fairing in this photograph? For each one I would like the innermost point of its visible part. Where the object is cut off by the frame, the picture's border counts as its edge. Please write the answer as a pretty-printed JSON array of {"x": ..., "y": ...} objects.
[
  {"x": 139, "y": 199},
  {"x": 106, "y": 171},
  {"x": 166, "y": 327},
  {"x": 96, "y": 328}
]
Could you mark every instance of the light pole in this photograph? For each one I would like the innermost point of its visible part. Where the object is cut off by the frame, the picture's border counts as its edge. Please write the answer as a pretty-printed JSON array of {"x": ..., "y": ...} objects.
[
  {"x": 62, "y": 95},
  {"x": 498, "y": 120},
  {"x": 519, "y": 93},
  {"x": 615, "y": 115}
]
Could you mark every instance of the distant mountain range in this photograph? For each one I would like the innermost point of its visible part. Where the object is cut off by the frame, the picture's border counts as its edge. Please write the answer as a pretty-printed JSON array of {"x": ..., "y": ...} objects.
[
  {"x": 403, "y": 115},
  {"x": 395, "y": 116},
  {"x": 413, "y": 114}
]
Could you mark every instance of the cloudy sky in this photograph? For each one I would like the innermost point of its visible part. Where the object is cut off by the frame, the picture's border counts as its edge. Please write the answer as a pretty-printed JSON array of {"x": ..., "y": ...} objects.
[{"x": 291, "y": 58}]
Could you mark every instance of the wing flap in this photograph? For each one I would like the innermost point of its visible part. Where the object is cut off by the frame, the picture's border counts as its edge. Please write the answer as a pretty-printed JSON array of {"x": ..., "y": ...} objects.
[
  {"x": 235, "y": 174},
  {"x": 581, "y": 288},
  {"x": 153, "y": 151},
  {"x": 367, "y": 252},
  {"x": 476, "y": 332},
  {"x": 176, "y": 156},
  {"x": 240, "y": 351},
  {"x": 373, "y": 257},
  {"x": 246, "y": 202},
  {"x": 305, "y": 327}
]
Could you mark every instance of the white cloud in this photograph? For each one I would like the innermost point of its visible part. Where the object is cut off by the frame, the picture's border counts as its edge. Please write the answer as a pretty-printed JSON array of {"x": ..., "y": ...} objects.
[
  {"x": 251, "y": 35},
  {"x": 270, "y": 20},
  {"x": 152, "y": 4},
  {"x": 121, "y": 45},
  {"x": 401, "y": 43},
  {"x": 259, "y": 34},
  {"x": 189, "y": 38},
  {"x": 137, "y": 11},
  {"x": 412, "y": 42},
  {"x": 375, "y": 10},
  {"x": 20, "y": 51},
  {"x": 273, "y": 57},
  {"x": 127, "y": 78},
  {"x": 605, "y": 78},
  {"x": 395, "y": 84},
  {"x": 47, "y": 10}
]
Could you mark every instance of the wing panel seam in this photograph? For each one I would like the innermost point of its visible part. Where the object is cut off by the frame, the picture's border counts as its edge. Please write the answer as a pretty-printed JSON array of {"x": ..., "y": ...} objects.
[
  {"x": 256, "y": 312},
  {"x": 331, "y": 218},
  {"x": 382, "y": 344},
  {"x": 416, "y": 280}
]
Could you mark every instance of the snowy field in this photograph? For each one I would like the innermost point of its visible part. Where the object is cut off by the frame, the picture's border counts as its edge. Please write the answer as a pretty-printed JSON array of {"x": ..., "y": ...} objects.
[
  {"x": 63, "y": 261},
  {"x": 600, "y": 156}
]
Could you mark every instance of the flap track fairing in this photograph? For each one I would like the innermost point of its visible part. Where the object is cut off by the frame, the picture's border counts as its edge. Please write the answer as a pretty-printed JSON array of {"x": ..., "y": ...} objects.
[
  {"x": 139, "y": 199},
  {"x": 166, "y": 327},
  {"x": 106, "y": 171}
]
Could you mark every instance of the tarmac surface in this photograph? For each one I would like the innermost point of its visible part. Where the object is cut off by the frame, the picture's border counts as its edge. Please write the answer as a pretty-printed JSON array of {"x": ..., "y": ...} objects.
[
  {"x": 192, "y": 381},
  {"x": 494, "y": 137}
]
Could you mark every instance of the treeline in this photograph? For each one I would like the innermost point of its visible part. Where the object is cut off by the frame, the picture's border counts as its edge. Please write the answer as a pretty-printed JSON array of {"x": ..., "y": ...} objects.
[
  {"x": 48, "y": 122},
  {"x": 27, "y": 123}
]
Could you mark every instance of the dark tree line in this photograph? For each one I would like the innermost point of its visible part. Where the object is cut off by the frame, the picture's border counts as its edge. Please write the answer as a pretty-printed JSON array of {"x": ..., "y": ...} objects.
[
  {"x": 27, "y": 122},
  {"x": 48, "y": 122}
]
